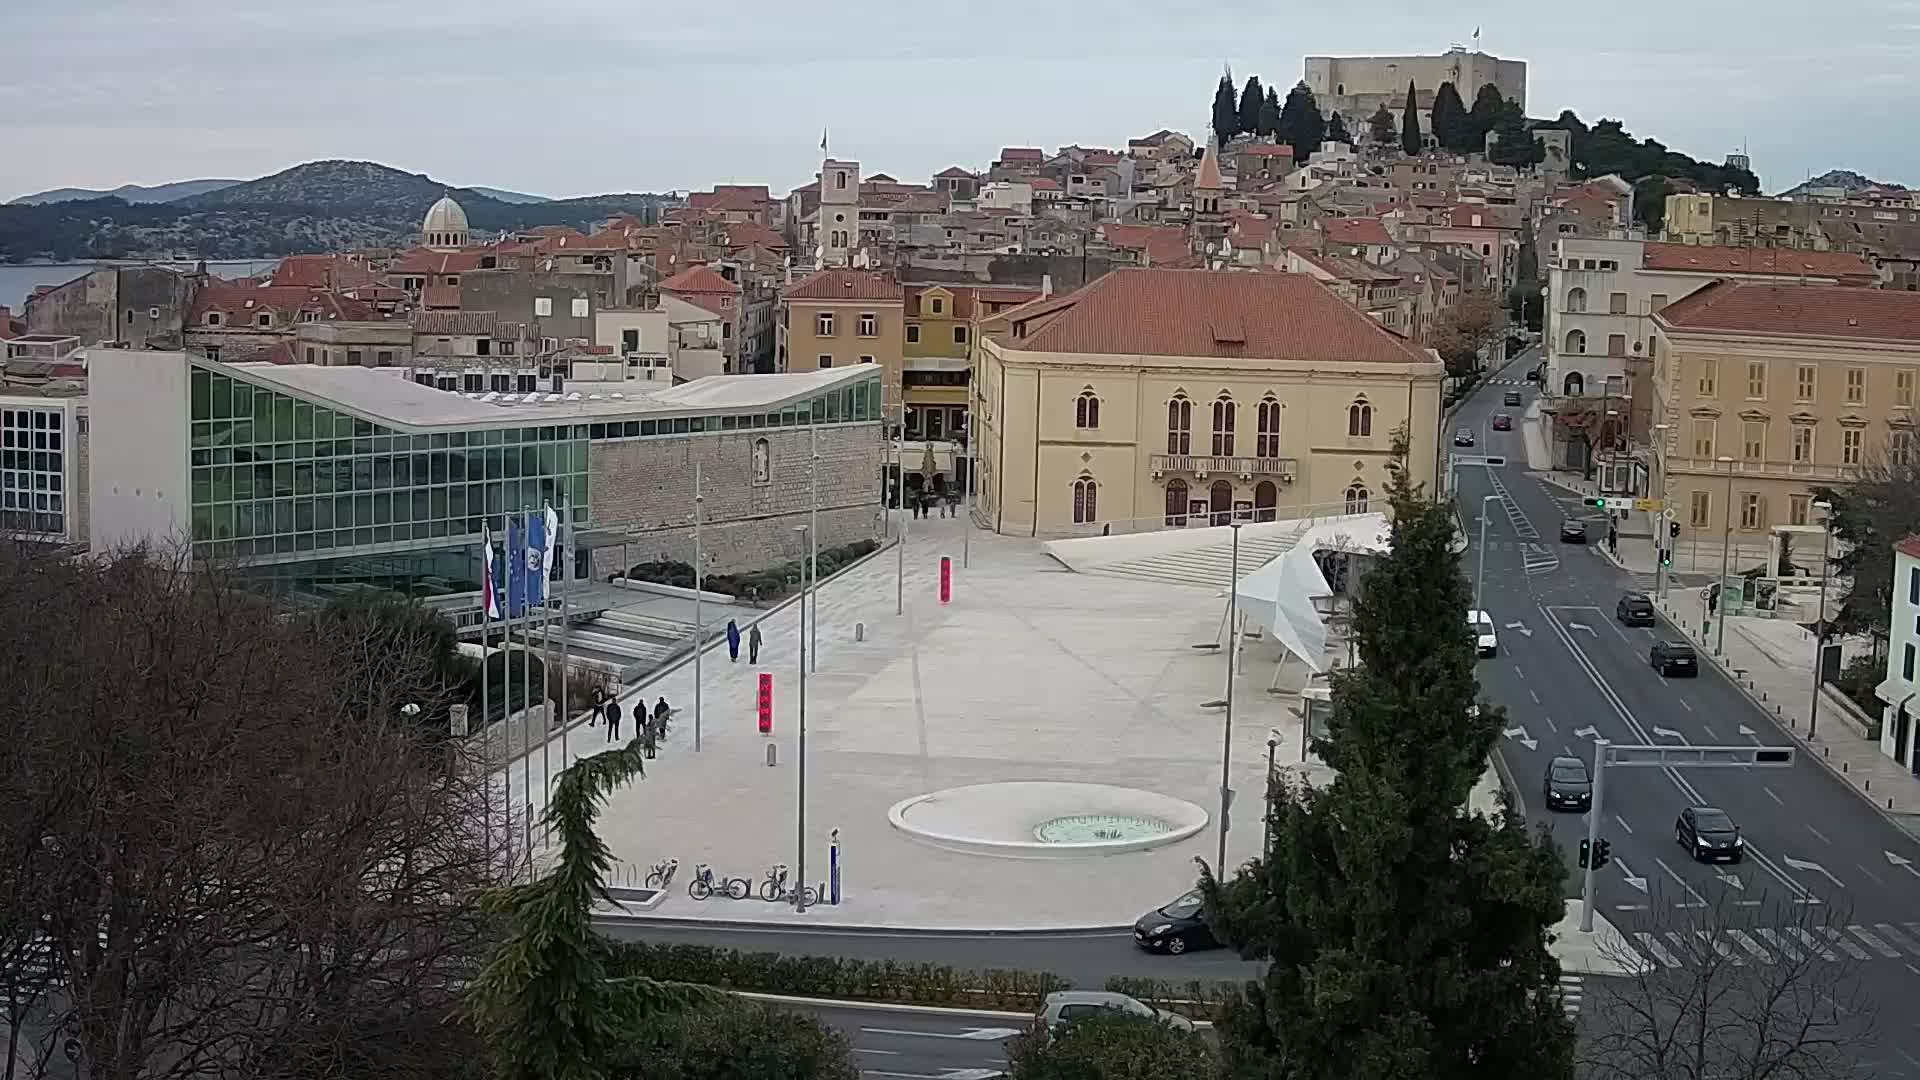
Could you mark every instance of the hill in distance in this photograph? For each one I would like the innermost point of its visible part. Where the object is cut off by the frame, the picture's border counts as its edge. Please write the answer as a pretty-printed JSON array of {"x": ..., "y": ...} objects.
[
  {"x": 516, "y": 197},
  {"x": 1845, "y": 179},
  {"x": 131, "y": 193}
]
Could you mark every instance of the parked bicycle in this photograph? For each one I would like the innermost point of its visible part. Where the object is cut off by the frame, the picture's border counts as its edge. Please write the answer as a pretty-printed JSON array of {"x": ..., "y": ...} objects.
[
  {"x": 661, "y": 875},
  {"x": 774, "y": 889},
  {"x": 705, "y": 884}
]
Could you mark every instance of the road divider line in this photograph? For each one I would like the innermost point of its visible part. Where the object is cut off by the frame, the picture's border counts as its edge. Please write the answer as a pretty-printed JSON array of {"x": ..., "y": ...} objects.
[
  {"x": 1651, "y": 945},
  {"x": 1874, "y": 943}
]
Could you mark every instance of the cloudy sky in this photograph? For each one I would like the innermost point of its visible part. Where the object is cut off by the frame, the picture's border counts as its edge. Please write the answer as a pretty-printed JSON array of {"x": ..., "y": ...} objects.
[{"x": 574, "y": 97}]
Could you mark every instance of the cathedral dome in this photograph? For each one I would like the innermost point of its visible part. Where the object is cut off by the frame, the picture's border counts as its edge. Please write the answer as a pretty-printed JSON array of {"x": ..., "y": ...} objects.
[{"x": 445, "y": 224}]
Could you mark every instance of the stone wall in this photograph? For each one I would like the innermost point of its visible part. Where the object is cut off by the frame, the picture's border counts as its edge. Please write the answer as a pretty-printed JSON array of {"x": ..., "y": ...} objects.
[{"x": 644, "y": 487}]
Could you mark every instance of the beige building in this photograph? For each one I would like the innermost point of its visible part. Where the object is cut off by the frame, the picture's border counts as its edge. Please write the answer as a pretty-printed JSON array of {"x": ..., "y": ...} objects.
[
  {"x": 1768, "y": 390},
  {"x": 1743, "y": 221},
  {"x": 839, "y": 318},
  {"x": 1159, "y": 399}
]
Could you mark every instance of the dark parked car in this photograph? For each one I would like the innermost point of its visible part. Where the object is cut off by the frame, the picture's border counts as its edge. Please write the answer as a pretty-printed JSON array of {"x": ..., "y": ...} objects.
[
  {"x": 1634, "y": 609},
  {"x": 1708, "y": 835},
  {"x": 1674, "y": 658},
  {"x": 1502, "y": 422},
  {"x": 1463, "y": 437},
  {"x": 1567, "y": 785},
  {"x": 1179, "y": 926},
  {"x": 1512, "y": 398},
  {"x": 1573, "y": 532}
]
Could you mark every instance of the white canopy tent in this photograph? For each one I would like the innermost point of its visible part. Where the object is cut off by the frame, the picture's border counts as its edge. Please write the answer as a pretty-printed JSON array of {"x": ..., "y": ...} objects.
[{"x": 1282, "y": 597}]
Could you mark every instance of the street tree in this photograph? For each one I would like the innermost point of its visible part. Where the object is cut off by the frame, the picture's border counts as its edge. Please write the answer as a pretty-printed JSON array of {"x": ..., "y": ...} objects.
[
  {"x": 1252, "y": 97},
  {"x": 1380, "y": 127},
  {"x": 1703, "y": 1008},
  {"x": 1115, "y": 1047},
  {"x": 1337, "y": 129},
  {"x": 1407, "y": 936},
  {"x": 1878, "y": 508},
  {"x": 1301, "y": 125},
  {"x": 1226, "y": 110},
  {"x": 1410, "y": 124},
  {"x": 1450, "y": 119},
  {"x": 1515, "y": 144},
  {"x": 735, "y": 1040},
  {"x": 225, "y": 856},
  {"x": 1270, "y": 113},
  {"x": 1488, "y": 104},
  {"x": 1462, "y": 333}
]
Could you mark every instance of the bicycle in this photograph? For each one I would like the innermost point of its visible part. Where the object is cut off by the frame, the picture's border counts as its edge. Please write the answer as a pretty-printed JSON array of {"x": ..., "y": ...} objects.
[
  {"x": 704, "y": 885},
  {"x": 774, "y": 889},
  {"x": 661, "y": 875}
]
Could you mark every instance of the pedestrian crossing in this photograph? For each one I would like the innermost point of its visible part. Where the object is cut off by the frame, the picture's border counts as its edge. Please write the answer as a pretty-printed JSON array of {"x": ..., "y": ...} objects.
[
  {"x": 1572, "y": 988},
  {"x": 1509, "y": 380},
  {"x": 1860, "y": 942}
]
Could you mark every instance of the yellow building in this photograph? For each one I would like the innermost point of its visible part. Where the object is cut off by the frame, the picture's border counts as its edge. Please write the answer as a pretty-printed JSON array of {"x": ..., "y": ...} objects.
[
  {"x": 943, "y": 325},
  {"x": 1768, "y": 390},
  {"x": 839, "y": 318},
  {"x": 1163, "y": 398}
]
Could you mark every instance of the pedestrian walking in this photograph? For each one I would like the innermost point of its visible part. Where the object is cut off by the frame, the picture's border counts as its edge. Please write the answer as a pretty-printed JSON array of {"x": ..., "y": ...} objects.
[
  {"x": 613, "y": 720},
  {"x": 660, "y": 713},
  {"x": 599, "y": 707},
  {"x": 1613, "y": 540},
  {"x": 733, "y": 640},
  {"x": 753, "y": 644},
  {"x": 648, "y": 740}
]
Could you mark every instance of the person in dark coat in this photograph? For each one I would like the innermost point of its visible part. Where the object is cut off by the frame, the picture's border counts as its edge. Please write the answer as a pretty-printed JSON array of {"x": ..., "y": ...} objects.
[
  {"x": 753, "y": 644},
  {"x": 599, "y": 707},
  {"x": 733, "y": 640},
  {"x": 613, "y": 720},
  {"x": 661, "y": 710}
]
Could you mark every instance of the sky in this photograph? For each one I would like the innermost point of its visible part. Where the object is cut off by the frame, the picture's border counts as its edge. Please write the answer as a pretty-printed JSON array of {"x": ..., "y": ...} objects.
[{"x": 579, "y": 97}]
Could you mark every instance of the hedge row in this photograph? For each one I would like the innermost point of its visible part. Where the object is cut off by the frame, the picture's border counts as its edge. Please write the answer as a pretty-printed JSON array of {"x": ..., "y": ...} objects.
[
  {"x": 1194, "y": 998},
  {"x": 754, "y": 585},
  {"x": 837, "y": 978}
]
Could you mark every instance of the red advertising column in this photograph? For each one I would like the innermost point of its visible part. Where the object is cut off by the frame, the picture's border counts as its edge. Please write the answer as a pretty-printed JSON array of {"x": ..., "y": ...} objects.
[
  {"x": 766, "y": 703},
  {"x": 946, "y": 578}
]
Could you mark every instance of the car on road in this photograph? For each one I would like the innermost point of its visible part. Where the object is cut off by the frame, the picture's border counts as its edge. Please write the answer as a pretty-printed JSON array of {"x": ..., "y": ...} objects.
[
  {"x": 1573, "y": 532},
  {"x": 1502, "y": 422},
  {"x": 1175, "y": 928},
  {"x": 1512, "y": 397},
  {"x": 1674, "y": 658},
  {"x": 1065, "y": 1006},
  {"x": 1463, "y": 437},
  {"x": 1483, "y": 632},
  {"x": 1635, "y": 609},
  {"x": 1567, "y": 786},
  {"x": 1709, "y": 835}
]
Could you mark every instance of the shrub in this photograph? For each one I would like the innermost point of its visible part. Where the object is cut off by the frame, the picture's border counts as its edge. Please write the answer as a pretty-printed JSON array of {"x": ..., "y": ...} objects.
[
  {"x": 1195, "y": 998},
  {"x": 735, "y": 1040},
  {"x": 838, "y": 978},
  {"x": 759, "y": 586},
  {"x": 1116, "y": 1047},
  {"x": 1857, "y": 680}
]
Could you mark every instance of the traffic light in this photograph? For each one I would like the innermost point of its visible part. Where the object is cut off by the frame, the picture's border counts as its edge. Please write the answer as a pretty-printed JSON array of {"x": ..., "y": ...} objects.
[
  {"x": 1596, "y": 502},
  {"x": 1666, "y": 556},
  {"x": 1673, "y": 529},
  {"x": 1600, "y": 855},
  {"x": 1583, "y": 853}
]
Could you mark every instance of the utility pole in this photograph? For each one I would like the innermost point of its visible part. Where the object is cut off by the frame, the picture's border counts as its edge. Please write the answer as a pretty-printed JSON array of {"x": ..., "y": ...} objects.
[{"x": 699, "y": 619}]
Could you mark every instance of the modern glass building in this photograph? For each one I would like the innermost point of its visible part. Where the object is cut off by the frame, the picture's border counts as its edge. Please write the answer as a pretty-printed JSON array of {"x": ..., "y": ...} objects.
[{"x": 320, "y": 481}]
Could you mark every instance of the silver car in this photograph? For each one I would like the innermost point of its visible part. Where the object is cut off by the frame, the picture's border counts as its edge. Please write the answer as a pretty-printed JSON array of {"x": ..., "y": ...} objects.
[{"x": 1063, "y": 1006}]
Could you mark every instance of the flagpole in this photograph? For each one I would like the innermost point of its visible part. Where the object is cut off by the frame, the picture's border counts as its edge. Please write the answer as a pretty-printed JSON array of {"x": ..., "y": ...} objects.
[
  {"x": 486, "y": 711},
  {"x": 566, "y": 631},
  {"x": 546, "y": 679},
  {"x": 699, "y": 619},
  {"x": 519, "y": 558}
]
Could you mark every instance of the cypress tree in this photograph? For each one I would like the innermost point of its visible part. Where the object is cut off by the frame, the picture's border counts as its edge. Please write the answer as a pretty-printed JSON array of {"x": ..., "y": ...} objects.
[
  {"x": 1251, "y": 98},
  {"x": 1226, "y": 114},
  {"x": 1337, "y": 130},
  {"x": 1270, "y": 113},
  {"x": 1450, "y": 119},
  {"x": 1380, "y": 126},
  {"x": 1487, "y": 108},
  {"x": 1301, "y": 125},
  {"x": 1407, "y": 935},
  {"x": 1410, "y": 125}
]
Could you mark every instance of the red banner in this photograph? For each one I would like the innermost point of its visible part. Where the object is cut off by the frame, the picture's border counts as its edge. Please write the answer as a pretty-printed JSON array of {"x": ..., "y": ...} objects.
[
  {"x": 946, "y": 579},
  {"x": 766, "y": 703}
]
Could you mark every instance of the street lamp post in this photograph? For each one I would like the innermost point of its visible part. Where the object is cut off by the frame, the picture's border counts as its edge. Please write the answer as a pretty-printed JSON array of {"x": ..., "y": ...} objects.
[
  {"x": 800, "y": 813},
  {"x": 699, "y": 620},
  {"x": 1233, "y": 655},
  {"x": 1266, "y": 815},
  {"x": 1480, "y": 571},
  {"x": 1726, "y": 553},
  {"x": 900, "y": 506},
  {"x": 813, "y": 557},
  {"x": 1820, "y": 622},
  {"x": 1657, "y": 489}
]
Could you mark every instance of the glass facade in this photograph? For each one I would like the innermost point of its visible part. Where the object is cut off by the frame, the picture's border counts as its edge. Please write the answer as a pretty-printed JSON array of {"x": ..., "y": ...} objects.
[{"x": 33, "y": 470}]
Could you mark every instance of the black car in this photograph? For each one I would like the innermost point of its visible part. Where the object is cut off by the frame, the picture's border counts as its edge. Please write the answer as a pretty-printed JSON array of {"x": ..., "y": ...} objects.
[
  {"x": 1674, "y": 658},
  {"x": 1513, "y": 397},
  {"x": 1179, "y": 926},
  {"x": 1709, "y": 835},
  {"x": 1502, "y": 422},
  {"x": 1567, "y": 785},
  {"x": 1634, "y": 609},
  {"x": 1573, "y": 532},
  {"x": 1463, "y": 437}
]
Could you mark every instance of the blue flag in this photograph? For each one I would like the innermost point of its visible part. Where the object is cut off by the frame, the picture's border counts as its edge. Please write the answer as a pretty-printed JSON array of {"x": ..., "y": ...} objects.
[
  {"x": 516, "y": 573},
  {"x": 535, "y": 559}
]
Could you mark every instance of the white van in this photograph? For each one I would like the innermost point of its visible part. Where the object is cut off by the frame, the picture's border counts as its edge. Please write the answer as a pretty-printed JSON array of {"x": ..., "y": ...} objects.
[{"x": 1482, "y": 624}]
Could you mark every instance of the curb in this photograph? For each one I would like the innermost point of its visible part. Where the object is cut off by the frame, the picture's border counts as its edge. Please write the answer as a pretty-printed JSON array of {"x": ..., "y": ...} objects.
[
  {"x": 919, "y": 1010},
  {"x": 677, "y": 922}
]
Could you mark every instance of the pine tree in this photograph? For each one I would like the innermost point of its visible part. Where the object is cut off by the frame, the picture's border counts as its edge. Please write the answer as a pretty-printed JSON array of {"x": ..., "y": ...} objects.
[
  {"x": 1270, "y": 113},
  {"x": 1380, "y": 126},
  {"x": 1450, "y": 119},
  {"x": 1410, "y": 124},
  {"x": 1407, "y": 934},
  {"x": 1301, "y": 125},
  {"x": 1226, "y": 114},
  {"x": 1487, "y": 107},
  {"x": 1251, "y": 98},
  {"x": 1337, "y": 130},
  {"x": 1516, "y": 145}
]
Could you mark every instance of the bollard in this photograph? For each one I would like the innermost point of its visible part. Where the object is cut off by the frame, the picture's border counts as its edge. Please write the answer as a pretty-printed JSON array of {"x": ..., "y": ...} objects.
[
  {"x": 1823, "y": 752},
  {"x": 773, "y": 754},
  {"x": 1867, "y": 784},
  {"x": 859, "y": 631},
  {"x": 833, "y": 866},
  {"x": 1889, "y": 804}
]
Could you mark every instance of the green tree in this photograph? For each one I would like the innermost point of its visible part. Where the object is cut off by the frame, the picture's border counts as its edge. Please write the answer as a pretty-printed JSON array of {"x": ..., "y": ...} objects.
[
  {"x": 736, "y": 1040},
  {"x": 1450, "y": 119},
  {"x": 1337, "y": 129},
  {"x": 1117, "y": 1047},
  {"x": 1301, "y": 125},
  {"x": 1380, "y": 126},
  {"x": 1226, "y": 114},
  {"x": 1270, "y": 113},
  {"x": 1251, "y": 98},
  {"x": 1407, "y": 936},
  {"x": 1410, "y": 124},
  {"x": 1650, "y": 202},
  {"x": 1880, "y": 508},
  {"x": 1515, "y": 145},
  {"x": 1488, "y": 105}
]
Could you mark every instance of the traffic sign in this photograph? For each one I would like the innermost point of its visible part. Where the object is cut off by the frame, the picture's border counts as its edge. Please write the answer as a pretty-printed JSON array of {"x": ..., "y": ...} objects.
[
  {"x": 1649, "y": 504},
  {"x": 1671, "y": 514}
]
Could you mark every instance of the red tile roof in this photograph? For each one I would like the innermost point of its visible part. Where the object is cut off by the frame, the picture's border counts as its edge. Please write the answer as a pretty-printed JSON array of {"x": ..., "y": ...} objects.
[
  {"x": 1208, "y": 178},
  {"x": 1022, "y": 153},
  {"x": 245, "y": 298},
  {"x": 321, "y": 272},
  {"x": 1207, "y": 313},
  {"x": 740, "y": 234},
  {"x": 1356, "y": 231},
  {"x": 1909, "y": 547},
  {"x": 699, "y": 279},
  {"x": 846, "y": 285},
  {"x": 1826, "y": 312},
  {"x": 1741, "y": 260},
  {"x": 1162, "y": 243},
  {"x": 1045, "y": 183},
  {"x": 440, "y": 296},
  {"x": 1266, "y": 150},
  {"x": 423, "y": 261},
  {"x": 953, "y": 172},
  {"x": 436, "y": 323}
]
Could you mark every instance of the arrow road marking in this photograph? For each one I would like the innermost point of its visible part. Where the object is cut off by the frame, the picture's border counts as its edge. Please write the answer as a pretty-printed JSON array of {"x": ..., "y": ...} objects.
[
  {"x": 974, "y": 1034},
  {"x": 1802, "y": 864},
  {"x": 1667, "y": 733},
  {"x": 1587, "y": 732},
  {"x": 1519, "y": 734},
  {"x": 1747, "y": 732},
  {"x": 1582, "y": 626},
  {"x": 1698, "y": 900},
  {"x": 1903, "y": 863},
  {"x": 1520, "y": 626},
  {"x": 1731, "y": 879},
  {"x": 1637, "y": 882}
]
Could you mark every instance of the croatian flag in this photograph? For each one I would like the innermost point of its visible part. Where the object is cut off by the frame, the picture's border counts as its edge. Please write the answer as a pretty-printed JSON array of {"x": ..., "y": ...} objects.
[
  {"x": 487, "y": 596},
  {"x": 539, "y": 548}
]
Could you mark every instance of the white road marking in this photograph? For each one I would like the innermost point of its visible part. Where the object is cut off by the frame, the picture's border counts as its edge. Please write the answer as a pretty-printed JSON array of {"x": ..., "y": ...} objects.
[
  {"x": 1819, "y": 834},
  {"x": 1623, "y": 824},
  {"x": 1781, "y": 944},
  {"x": 1651, "y": 945},
  {"x": 1684, "y": 705},
  {"x": 1698, "y": 900},
  {"x": 1517, "y": 670},
  {"x": 1835, "y": 937},
  {"x": 1551, "y": 725},
  {"x": 1719, "y": 944},
  {"x": 1710, "y": 733},
  {"x": 1813, "y": 944},
  {"x": 1752, "y": 946},
  {"x": 1771, "y": 795},
  {"x": 1893, "y": 934},
  {"x": 1534, "y": 696},
  {"x": 1874, "y": 943}
]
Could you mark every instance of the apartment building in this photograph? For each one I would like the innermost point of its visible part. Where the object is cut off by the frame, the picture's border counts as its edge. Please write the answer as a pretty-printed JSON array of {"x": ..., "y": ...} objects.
[
  {"x": 839, "y": 318},
  {"x": 1899, "y": 734},
  {"x": 942, "y": 331},
  {"x": 1743, "y": 221},
  {"x": 1767, "y": 390}
]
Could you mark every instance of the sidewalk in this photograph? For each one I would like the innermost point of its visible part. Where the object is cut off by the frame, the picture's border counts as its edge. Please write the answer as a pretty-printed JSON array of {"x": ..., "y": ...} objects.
[{"x": 1780, "y": 680}]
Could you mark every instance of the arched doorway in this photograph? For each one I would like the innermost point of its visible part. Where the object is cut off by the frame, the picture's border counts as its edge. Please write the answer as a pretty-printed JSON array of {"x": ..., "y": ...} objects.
[
  {"x": 1176, "y": 502},
  {"x": 1266, "y": 500},
  {"x": 1574, "y": 385},
  {"x": 1220, "y": 502}
]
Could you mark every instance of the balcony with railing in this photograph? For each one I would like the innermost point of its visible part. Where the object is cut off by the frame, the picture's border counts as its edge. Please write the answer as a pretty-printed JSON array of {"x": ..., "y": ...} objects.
[
  {"x": 1200, "y": 465},
  {"x": 1780, "y": 470}
]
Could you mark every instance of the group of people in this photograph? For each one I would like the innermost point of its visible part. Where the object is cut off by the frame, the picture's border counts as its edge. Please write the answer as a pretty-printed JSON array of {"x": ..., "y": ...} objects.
[
  {"x": 923, "y": 504},
  {"x": 653, "y": 727}
]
